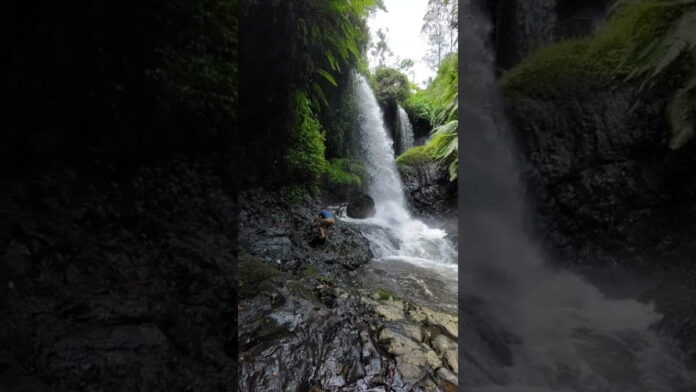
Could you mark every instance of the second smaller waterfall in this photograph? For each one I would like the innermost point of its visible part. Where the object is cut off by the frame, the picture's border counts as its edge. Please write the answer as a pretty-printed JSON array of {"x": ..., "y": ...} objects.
[{"x": 405, "y": 129}]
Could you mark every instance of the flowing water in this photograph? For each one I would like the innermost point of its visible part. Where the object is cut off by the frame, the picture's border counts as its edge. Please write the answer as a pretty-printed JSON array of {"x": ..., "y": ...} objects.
[
  {"x": 524, "y": 327},
  {"x": 412, "y": 259},
  {"x": 406, "y": 130}
]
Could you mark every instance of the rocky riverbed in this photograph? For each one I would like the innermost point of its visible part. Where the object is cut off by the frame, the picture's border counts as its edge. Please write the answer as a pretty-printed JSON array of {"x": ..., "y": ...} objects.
[{"x": 307, "y": 321}]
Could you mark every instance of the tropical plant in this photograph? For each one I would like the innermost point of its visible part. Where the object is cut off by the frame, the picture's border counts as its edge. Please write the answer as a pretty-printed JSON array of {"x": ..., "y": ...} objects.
[
  {"x": 331, "y": 37},
  {"x": 649, "y": 43},
  {"x": 439, "y": 104},
  {"x": 446, "y": 146},
  {"x": 306, "y": 154},
  {"x": 671, "y": 51}
]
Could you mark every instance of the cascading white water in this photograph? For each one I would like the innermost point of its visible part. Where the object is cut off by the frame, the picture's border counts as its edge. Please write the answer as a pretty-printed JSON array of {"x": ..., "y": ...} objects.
[
  {"x": 393, "y": 232},
  {"x": 524, "y": 327},
  {"x": 406, "y": 130}
]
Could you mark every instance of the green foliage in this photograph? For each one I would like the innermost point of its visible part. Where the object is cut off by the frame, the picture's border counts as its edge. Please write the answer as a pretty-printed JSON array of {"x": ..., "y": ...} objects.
[
  {"x": 254, "y": 277},
  {"x": 415, "y": 156},
  {"x": 673, "y": 51},
  {"x": 439, "y": 104},
  {"x": 652, "y": 42},
  {"x": 309, "y": 47},
  {"x": 306, "y": 153},
  {"x": 442, "y": 146},
  {"x": 419, "y": 105},
  {"x": 442, "y": 92},
  {"x": 343, "y": 171},
  {"x": 445, "y": 142},
  {"x": 330, "y": 38},
  {"x": 384, "y": 295},
  {"x": 558, "y": 70},
  {"x": 390, "y": 85}
]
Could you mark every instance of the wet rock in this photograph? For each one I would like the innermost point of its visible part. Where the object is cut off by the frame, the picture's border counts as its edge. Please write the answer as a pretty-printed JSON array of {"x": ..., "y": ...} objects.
[
  {"x": 606, "y": 187},
  {"x": 430, "y": 194},
  {"x": 390, "y": 310},
  {"x": 447, "y": 322},
  {"x": 285, "y": 236},
  {"x": 361, "y": 206},
  {"x": 414, "y": 360},
  {"x": 448, "y": 350}
]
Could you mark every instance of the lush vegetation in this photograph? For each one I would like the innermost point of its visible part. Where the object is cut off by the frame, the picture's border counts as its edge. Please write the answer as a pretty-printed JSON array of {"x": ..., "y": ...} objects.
[
  {"x": 345, "y": 171},
  {"x": 297, "y": 88},
  {"x": 652, "y": 42},
  {"x": 390, "y": 85},
  {"x": 437, "y": 103}
]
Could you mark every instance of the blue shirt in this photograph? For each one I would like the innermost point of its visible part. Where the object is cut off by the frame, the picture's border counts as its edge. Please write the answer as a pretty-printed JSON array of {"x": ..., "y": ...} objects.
[{"x": 325, "y": 214}]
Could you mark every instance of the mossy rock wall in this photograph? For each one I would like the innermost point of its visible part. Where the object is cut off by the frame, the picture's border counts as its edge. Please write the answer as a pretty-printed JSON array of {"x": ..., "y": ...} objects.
[{"x": 606, "y": 186}]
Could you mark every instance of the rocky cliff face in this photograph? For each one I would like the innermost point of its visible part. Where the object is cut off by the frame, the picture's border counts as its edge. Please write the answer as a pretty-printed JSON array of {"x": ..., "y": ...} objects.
[
  {"x": 430, "y": 193},
  {"x": 607, "y": 187},
  {"x": 522, "y": 26}
]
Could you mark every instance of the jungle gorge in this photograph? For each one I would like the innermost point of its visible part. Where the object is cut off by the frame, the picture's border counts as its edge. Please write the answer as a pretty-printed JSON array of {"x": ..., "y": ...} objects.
[{"x": 163, "y": 162}]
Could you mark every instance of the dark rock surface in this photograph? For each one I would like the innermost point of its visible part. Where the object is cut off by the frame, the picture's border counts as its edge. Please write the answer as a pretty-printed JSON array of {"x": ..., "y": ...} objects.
[
  {"x": 113, "y": 286},
  {"x": 430, "y": 194},
  {"x": 606, "y": 185},
  {"x": 609, "y": 195},
  {"x": 286, "y": 236},
  {"x": 306, "y": 324},
  {"x": 361, "y": 206},
  {"x": 523, "y": 26},
  {"x": 306, "y": 334}
]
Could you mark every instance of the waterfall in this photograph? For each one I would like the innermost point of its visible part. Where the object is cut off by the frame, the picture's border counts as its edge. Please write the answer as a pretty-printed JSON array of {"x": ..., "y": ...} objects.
[
  {"x": 394, "y": 234},
  {"x": 406, "y": 130},
  {"x": 524, "y": 327}
]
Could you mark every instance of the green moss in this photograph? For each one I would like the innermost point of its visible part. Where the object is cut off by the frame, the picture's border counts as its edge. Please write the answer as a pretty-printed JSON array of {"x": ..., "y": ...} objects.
[
  {"x": 426, "y": 153},
  {"x": 414, "y": 156},
  {"x": 582, "y": 66},
  {"x": 557, "y": 70},
  {"x": 384, "y": 295},
  {"x": 345, "y": 172},
  {"x": 255, "y": 277}
]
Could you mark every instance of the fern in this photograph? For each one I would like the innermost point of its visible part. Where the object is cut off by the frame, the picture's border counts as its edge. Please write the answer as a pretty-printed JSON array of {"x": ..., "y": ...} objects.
[
  {"x": 331, "y": 35},
  {"x": 446, "y": 141},
  {"x": 663, "y": 55}
]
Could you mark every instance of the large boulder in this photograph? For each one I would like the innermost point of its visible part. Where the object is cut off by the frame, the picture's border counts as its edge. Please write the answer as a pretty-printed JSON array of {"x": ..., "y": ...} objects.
[
  {"x": 284, "y": 235},
  {"x": 430, "y": 193},
  {"x": 361, "y": 206}
]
